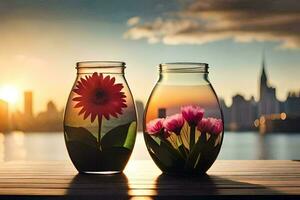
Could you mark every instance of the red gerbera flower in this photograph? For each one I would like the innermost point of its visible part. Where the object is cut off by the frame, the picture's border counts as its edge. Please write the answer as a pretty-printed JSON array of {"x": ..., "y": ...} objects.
[{"x": 99, "y": 96}]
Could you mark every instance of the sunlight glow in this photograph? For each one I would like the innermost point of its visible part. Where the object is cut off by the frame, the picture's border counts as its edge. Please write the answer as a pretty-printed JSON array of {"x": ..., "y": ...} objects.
[{"x": 9, "y": 93}]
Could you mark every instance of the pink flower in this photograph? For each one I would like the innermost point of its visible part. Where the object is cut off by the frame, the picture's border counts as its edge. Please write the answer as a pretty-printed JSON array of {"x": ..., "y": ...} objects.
[
  {"x": 217, "y": 127},
  {"x": 204, "y": 125},
  {"x": 155, "y": 126},
  {"x": 192, "y": 114},
  {"x": 174, "y": 123},
  {"x": 210, "y": 125}
]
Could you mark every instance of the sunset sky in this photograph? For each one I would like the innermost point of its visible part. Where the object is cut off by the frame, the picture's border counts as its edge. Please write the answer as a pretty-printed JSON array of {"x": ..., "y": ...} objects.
[{"x": 41, "y": 40}]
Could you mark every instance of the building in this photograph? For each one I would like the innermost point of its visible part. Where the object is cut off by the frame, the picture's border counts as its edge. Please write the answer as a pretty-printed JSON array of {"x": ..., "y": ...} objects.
[
  {"x": 226, "y": 113},
  {"x": 28, "y": 104},
  {"x": 243, "y": 113},
  {"x": 268, "y": 103},
  {"x": 162, "y": 113},
  {"x": 49, "y": 120},
  {"x": 17, "y": 120},
  {"x": 27, "y": 121},
  {"x": 292, "y": 104},
  {"x": 4, "y": 116}
]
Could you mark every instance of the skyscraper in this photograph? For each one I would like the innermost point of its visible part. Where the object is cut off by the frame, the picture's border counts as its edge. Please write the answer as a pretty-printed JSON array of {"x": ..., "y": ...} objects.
[
  {"x": 162, "y": 113},
  {"x": 242, "y": 113},
  {"x": 28, "y": 102},
  {"x": 4, "y": 117},
  {"x": 268, "y": 103},
  {"x": 292, "y": 104}
]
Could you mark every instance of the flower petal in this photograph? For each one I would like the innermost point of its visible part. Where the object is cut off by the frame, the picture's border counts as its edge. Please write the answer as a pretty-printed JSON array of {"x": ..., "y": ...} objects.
[{"x": 93, "y": 117}]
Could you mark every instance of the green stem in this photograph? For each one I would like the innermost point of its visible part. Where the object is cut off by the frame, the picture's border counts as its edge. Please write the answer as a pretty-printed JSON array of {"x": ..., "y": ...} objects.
[
  {"x": 170, "y": 146},
  {"x": 186, "y": 153},
  {"x": 99, "y": 131},
  {"x": 192, "y": 137}
]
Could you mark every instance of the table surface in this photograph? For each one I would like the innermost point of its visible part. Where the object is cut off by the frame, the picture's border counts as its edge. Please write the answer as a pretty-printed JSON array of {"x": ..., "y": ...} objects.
[{"x": 237, "y": 179}]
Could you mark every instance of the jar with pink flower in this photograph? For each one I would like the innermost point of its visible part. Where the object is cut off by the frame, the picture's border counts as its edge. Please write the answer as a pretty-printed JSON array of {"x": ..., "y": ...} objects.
[
  {"x": 100, "y": 118},
  {"x": 183, "y": 121}
]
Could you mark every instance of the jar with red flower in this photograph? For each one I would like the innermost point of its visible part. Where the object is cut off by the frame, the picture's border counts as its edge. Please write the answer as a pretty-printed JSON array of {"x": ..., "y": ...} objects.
[
  {"x": 100, "y": 118},
  {"x": 183, "y": 121}
]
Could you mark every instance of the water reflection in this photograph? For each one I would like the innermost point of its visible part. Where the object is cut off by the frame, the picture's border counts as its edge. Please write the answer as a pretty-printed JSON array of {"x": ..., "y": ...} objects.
[
  {"x": 253, "y": 146},
  {"x": 18, "y": 145},
  {"x": 13, "y": 146},
  {"x": 262, "y": 145},
  {"x": 247, "y": 145}
]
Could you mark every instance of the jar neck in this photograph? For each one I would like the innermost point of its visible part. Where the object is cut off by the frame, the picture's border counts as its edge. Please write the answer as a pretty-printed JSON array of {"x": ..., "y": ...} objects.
[
  {"x": 105, "y": 67},
  {"x": 184, "y": 74},
  {"x": 183, "y": 67}
]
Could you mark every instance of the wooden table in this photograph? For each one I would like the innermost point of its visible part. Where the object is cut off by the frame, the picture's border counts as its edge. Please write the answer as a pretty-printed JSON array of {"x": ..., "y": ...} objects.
[{"x": 248, "y": 179}]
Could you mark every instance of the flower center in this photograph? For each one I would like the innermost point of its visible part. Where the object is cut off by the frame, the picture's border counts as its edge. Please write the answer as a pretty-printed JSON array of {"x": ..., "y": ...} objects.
[{"x": 100, "y": 97}]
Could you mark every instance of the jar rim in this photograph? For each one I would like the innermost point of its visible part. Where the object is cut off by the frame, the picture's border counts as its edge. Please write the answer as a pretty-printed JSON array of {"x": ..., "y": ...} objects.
[
  {"x": 184, "y": 67},
  {"x": 100, "y": 64}
]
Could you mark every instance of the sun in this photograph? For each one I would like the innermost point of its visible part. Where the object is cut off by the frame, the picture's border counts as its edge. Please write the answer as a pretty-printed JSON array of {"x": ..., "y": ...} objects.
[{"x": 9, "y": 93}]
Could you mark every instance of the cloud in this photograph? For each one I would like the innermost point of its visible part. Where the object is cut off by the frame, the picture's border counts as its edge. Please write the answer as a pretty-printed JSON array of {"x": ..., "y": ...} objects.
[
  {"x": 133, "y": 21},
  {"x": 204, "y": 21}
]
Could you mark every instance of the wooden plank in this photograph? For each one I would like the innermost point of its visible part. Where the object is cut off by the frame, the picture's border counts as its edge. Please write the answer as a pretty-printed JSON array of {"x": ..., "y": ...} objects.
[{"x": 226, "y": 180}]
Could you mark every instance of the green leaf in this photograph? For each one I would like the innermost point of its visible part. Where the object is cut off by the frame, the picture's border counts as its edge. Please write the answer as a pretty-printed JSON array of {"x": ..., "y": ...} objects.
[
  {"x": 80, "y": 134},
  {"x": 87, "y": 158},
  {"x": 209, "y": 154},
  {"x": 131, "y": 134},
  {"x": 164, "y": 154},
  {"x": 152, "y": 145},
  {"x": 193, "y": 157},
  {"x": 85, "y": 154},
  {"x": 170, "y": 156},
  {"x": 115, "y": 137},
  {"x": 183, "y": 151},
  {"x": 153, "y": 148}
]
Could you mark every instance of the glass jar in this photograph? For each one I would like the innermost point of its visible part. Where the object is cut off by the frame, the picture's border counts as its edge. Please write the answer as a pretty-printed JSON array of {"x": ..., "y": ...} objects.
[
  {"x": 100, "y": 118},
  {"x": 183, "y": 121}
]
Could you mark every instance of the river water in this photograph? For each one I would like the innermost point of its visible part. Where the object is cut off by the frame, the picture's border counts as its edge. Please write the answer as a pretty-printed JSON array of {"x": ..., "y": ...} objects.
[{"x": 236, "y": 145}]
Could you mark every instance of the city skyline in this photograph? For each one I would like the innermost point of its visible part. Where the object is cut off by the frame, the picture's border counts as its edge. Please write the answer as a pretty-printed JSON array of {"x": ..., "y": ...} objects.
[
  {"x": 18, "y": 103},
  {"x": 50, "y": 119},
  {"x": 268, "y": 113},
  {"x": 252, "y": 110}
]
